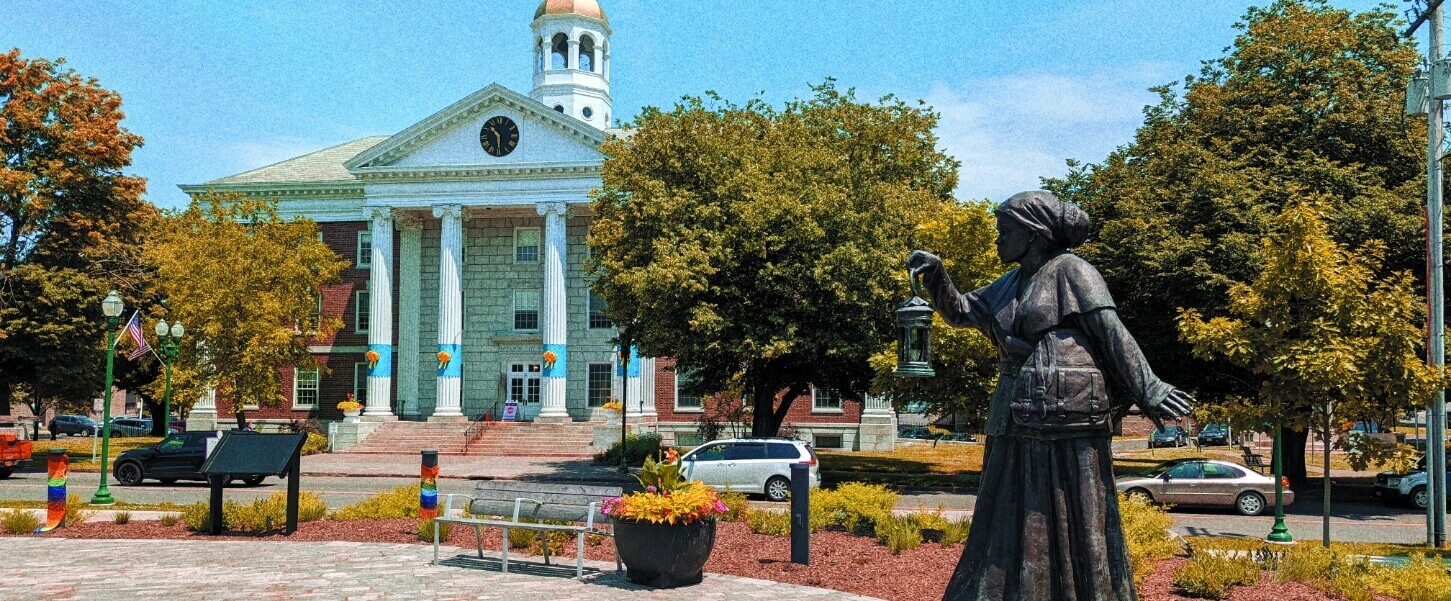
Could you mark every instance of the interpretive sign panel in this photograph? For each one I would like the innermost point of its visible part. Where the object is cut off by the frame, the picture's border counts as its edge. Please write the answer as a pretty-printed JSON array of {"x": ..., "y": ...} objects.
[{"x": 242, "y": 454}]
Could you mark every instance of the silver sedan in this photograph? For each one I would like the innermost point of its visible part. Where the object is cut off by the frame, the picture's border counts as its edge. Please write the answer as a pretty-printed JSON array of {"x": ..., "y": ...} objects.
[{"x": 1206, "y": 482}]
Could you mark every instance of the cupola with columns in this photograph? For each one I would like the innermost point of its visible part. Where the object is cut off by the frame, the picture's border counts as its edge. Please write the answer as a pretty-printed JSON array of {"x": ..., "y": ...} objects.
[{"x": 572, "y": 59}]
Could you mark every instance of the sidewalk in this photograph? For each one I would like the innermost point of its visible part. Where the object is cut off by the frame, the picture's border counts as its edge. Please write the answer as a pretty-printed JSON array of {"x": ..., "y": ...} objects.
[{"x": 52, "y": 568}]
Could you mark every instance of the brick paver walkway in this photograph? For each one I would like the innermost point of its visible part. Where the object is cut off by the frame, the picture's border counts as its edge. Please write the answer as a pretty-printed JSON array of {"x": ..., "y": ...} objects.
[{"x": 167, "y": 570}]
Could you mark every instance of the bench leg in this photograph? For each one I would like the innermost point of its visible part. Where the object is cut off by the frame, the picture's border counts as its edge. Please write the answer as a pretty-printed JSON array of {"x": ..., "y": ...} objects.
[
  {"x": 579, "y": 556},
  {"x": 435, "y": 542},
  {"x": 505, "y": 554},
  {"x": 544, "y": 542},
  {"x": 479, "y": 539}
]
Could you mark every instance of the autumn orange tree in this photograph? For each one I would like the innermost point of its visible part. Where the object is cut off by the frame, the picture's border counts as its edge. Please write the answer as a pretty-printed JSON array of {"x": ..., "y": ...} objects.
[{"x": 71, "y": 222}]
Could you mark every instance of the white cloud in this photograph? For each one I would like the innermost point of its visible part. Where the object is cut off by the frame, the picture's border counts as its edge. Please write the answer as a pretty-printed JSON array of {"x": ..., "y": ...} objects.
[{"x": 1011, "y": 131}]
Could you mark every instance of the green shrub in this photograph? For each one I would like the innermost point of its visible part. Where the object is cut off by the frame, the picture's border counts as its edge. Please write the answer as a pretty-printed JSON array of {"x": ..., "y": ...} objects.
[
  {"x": 1308, "y": 564},
  {"x": 1422, "y": 579},
  {"x": 401, "y": 502},
  {"x": 736, "y": 506},
  {"x": 637, "y": 448},
  {"x": 316, "y": 443},
  {"x": 259, "y": 515},
  {"x": 853, "y": 506},
  {"x": 1146, "y": 529},
  {"x": 956, "y": 532},
  {"x": 77, "y": 510},
  {"x": 170, "y": 519},
  {"x": 525, "y": 538},
  {"x": 1210, "y": 575},
  {"x": 425, "y": 531},
  {"x": 774, "y": 523},
  {"x": 898, "y": 534},
  {"x": 123, "y": 517},
  {"x": 19, "y": 521}
]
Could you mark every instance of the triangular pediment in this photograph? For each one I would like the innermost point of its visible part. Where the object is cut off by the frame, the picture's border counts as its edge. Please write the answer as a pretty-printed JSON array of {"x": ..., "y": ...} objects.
[{"x": 449, "y": 139}]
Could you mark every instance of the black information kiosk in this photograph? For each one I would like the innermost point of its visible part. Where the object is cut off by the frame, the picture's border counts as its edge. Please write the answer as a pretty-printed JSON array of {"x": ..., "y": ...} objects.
[{"x": 243, "y": 454}]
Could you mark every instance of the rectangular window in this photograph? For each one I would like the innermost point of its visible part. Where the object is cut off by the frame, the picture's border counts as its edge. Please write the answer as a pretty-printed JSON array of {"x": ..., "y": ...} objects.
[
  {"x": 526, "y": 245},
  {"x": 365, "y": 249},
  {"x": 599, "y": 384},
  {"x": 317, "y": 313},
  {"x": 826, "y": 441},
  {"x": 304, "y": 388},
  {"x": 597, "y": 317},
  {"x": 360, "y": 382},
  {"x": 685, "y": 401},
  {"x": 524, "y": 382},
  {"x": 526, "y": 309},
  {"x": 687, "y": 439},
  {"x": 360, "y": 311},
  {"x": 825, "y": 400}
]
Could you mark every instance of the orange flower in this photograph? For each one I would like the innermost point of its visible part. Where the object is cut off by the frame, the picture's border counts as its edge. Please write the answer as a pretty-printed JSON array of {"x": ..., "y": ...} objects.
[
  {"x": 373, "y": 357},
  {"x": 443, "y": 358},
  {"x": 549, "y": 358},
  {"x": 672, "y": 455}
]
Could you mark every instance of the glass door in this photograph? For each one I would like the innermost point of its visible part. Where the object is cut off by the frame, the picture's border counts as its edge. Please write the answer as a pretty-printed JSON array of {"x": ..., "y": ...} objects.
[{"x": 524, "y": 389}]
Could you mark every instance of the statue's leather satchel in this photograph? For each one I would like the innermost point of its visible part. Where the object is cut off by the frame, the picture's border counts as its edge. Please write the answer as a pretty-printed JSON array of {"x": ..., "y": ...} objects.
[{"x": 1060, "y": 388}]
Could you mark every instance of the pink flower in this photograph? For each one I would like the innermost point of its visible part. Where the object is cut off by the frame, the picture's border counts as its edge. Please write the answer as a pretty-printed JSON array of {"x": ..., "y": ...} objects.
[{"x": 650, "y": 488}]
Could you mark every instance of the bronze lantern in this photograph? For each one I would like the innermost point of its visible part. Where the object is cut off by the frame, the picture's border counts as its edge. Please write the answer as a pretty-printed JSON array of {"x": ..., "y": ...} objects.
[{"x": 914, "y": 337}]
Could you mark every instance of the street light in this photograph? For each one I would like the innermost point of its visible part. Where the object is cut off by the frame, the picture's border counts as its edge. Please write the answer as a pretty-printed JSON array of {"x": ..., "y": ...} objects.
[
  {"x": 1279, "y": 533},
  {"x": 169, "y": 338},
  {"x": 111, "y": 307}
]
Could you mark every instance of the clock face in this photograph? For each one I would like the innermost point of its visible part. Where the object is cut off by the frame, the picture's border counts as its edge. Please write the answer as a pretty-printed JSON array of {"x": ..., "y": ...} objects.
[{"x": 499, "y": 136}]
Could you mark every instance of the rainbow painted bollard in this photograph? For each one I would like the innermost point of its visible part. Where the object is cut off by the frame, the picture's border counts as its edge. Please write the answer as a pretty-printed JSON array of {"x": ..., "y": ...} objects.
[
  {"x": 428, "y": 487},
  {"x": 57, "y": 465}
]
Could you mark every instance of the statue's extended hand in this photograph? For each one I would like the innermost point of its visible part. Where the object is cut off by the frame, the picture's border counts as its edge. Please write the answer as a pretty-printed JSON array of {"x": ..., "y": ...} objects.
[
  {"x": 1174, "y": 406},
  {"x": 921, "y": 261}
]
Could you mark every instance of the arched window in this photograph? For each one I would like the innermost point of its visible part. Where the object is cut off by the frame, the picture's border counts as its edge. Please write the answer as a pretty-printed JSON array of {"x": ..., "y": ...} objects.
[
  {"x": 539, "y": 62},
  {"x": 586, "y": 53},
  {"x": 559, "y": 52}
]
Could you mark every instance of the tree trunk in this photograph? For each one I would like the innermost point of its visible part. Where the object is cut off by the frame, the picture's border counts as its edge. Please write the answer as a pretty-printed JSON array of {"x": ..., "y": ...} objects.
[
  {"x": 1325, "y": 481},
  {"x": 160, "y": 426},
  {"x": 1293, "y": 459},
  {"x": 763, "y": 413},
  {"x": 242, "y": 419},
  {"x": 5, "y": 398}
]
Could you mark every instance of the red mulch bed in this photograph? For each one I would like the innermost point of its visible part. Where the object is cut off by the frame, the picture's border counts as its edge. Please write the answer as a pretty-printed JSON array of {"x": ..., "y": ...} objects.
[{"x": 838, "y": 560}]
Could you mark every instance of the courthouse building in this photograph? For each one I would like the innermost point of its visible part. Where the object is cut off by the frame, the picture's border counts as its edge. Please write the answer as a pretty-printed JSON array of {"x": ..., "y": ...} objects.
[{"x": 466, "y": 237}]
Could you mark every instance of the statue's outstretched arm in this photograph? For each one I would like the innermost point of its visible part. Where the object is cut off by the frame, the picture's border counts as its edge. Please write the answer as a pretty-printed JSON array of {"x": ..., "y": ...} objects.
[{"x": 1125, "y": 363}]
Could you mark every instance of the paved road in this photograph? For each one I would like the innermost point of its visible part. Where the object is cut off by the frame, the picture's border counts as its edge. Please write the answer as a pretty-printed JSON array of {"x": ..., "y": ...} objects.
[{"x": 46, "y": 568}]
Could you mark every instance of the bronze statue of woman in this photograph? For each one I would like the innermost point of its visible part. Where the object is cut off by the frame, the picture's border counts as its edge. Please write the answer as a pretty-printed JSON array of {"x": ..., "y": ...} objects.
[{"x": 1046, "y": 526}]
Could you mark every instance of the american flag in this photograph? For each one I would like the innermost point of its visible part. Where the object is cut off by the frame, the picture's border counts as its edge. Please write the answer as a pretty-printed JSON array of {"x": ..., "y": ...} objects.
[{"x": 133, "y": 328}]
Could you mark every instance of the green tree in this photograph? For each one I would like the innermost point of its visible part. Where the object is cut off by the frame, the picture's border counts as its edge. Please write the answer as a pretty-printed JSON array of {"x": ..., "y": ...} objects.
[
  {"x": 1306, "y": 103},
  {"x": 763, "y": 246},
  {"x": 71, "y": 222},
  {"x": 1321, "y": 333},
  {"x": 245, "y": 283},
  {"x": 963, "y": 235}
]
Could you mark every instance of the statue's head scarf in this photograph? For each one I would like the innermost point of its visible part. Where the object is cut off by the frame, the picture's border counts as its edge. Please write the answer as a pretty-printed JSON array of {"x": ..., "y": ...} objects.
[{"x": 1061, "y": 224}]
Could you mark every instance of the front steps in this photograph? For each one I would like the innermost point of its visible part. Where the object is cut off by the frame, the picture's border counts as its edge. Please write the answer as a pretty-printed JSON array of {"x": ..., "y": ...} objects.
[{"x": 489, "y": 439}]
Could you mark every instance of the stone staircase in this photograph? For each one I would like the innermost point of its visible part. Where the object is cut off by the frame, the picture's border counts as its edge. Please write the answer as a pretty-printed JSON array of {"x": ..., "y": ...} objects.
[
  {"x": 496, "y": 439},
  {"x": 412, "y": 437},
  {"x": 535, "y": 440}
]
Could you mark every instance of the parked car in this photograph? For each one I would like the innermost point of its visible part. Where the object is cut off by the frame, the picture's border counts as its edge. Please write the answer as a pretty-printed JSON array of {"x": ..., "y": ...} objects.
[
  {"x": 1213, "y": 434},
  {"x": 71, "y": 425},
  {"x": 1168, "y": 436},
  {"x": 914, "y": 432},
  {"x": 958, "y": 437},
  {"x": 1409, "y": 487},
  {"x": 178, "y": 457},
  {"x": 1205, "y": 482},
  {"x": 122, "y": 427},
  {"x": 750, "y": 465}
]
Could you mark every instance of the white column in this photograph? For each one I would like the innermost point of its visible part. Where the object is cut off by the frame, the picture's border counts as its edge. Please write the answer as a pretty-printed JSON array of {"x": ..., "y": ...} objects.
[
  {"x": 647, "y": 387},
  {"x": 410, "y": 291},
  {"x": 554, "y": 319},
  {"x": 380, "y": 314},
  {"x": 450, "y": 312},
  {"x": 573, "y": 53}
]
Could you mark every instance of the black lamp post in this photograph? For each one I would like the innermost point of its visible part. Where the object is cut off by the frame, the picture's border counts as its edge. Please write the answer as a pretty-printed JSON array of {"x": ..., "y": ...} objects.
[
  {"x": 169, "y": 339},
  {"x": 625, "y": 342},
  {"x": 111, "y": 307},
  {"x": 914, "y": 337}
]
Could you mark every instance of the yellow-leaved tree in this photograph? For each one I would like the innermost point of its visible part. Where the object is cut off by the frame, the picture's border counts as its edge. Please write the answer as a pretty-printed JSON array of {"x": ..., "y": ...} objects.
[{"x": 246, "y": 284}]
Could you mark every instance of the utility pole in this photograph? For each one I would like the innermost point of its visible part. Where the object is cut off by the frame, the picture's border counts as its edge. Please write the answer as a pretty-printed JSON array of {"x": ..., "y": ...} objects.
[{"x": 1435, "y": 293}]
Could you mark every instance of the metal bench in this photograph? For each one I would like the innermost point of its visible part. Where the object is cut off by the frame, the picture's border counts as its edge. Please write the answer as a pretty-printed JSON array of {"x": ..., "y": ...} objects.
[
  {"x": 503, "y": 503},
  {"x": 1254, "y": 461}
]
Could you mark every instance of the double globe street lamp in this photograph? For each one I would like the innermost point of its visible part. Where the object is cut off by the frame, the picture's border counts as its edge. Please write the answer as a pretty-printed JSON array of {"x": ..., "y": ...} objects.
[
  {"x": 111, "y": 307},
  {"x": 168, "y": 337}
]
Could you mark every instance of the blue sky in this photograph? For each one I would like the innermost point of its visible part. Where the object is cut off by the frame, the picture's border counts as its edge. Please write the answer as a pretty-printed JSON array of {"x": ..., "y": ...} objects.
[{"x": 217, "y": 88}]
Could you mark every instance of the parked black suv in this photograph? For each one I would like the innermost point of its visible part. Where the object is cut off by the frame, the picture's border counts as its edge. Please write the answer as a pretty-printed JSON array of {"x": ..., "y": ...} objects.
[
  {"x": 178, "y": 457},
  {"x": 71, "y": 425}
]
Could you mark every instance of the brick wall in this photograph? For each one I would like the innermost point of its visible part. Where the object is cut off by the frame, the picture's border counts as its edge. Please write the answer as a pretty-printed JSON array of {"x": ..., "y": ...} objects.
[{"x": 801, "y": 412}]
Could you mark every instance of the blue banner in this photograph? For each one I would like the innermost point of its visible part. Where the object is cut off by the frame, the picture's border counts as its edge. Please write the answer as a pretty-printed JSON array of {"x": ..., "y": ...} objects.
[
  {"x": 634, "y": 364},
  {"x": 455, "y": 366},
  {"x": 384, "y": 367},
  {"x": 561, "y": 361}
]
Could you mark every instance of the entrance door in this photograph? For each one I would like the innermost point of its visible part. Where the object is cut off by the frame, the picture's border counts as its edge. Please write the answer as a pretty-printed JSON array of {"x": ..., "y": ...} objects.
[{"x": 524, "y": 386}]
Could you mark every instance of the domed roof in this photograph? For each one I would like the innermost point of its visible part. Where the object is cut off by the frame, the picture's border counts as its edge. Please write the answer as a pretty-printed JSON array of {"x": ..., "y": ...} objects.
[{"x": 584, "y": 8}]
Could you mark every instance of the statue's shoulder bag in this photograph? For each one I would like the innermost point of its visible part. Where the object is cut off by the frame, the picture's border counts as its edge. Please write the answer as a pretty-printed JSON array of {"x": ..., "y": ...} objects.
[{"x": 1061, "y": 388}]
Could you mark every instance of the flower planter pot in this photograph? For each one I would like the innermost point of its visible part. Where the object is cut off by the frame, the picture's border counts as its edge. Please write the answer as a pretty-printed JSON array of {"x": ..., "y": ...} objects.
[
  {"x": 352, "y": 412},
  {"x": 665, "y": 555}
]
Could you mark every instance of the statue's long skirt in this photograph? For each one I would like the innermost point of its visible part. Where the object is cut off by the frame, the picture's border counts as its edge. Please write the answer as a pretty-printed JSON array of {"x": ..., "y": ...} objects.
[{"x": 1046, "y": 526}]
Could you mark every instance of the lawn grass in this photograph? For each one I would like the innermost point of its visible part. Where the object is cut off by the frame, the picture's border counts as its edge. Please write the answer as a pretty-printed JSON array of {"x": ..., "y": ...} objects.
[{"x": 79, "y": 449}]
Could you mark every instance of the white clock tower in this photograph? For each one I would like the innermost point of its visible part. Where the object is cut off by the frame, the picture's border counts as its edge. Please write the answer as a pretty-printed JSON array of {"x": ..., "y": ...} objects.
[{"x": 572, "y": 59}]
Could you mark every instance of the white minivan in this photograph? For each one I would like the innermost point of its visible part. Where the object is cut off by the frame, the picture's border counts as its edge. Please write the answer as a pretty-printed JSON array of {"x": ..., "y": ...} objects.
[{"x": 750, "y": 465}]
